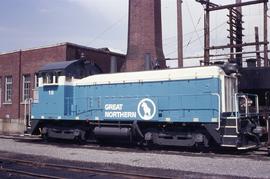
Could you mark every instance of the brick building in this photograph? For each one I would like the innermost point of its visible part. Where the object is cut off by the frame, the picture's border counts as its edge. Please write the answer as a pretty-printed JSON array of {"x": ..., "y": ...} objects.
[{"x": 18, "y": 74}]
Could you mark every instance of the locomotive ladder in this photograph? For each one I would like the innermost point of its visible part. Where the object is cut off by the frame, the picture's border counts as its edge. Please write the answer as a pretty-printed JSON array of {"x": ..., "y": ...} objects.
[
  {"x": 229, "y": 131},
  {"x": 229, "y": 124}
]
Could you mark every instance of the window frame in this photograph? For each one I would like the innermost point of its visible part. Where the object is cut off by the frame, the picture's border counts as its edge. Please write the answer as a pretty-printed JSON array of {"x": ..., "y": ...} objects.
[
  {"x": 8, "y": 89},
  {"x": 26, "y": 87}
]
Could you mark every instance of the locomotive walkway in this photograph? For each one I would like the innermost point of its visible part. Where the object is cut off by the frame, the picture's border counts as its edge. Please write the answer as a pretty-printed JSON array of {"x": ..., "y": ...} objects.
[{"x": 214, "y": 165}]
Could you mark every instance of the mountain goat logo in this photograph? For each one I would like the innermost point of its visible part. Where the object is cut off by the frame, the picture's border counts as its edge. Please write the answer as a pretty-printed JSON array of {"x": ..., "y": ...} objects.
[{"x": 146, "y": 109}]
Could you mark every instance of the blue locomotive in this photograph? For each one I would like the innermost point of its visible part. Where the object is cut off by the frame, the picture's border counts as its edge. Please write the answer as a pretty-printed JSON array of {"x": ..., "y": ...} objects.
[{"x": 198, "y": 106}]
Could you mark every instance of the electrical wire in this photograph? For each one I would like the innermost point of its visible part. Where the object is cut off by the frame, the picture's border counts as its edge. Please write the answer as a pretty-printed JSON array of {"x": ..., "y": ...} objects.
[
  {"x": 108, "y": 29},
  {"x": 194, "y": 26},
  {"x": 195, "y": 40},
  {"x": 215, "y": 28}
]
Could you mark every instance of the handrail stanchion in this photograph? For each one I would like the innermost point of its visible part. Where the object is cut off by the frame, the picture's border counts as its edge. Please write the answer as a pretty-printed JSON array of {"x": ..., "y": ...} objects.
[
  {"x": 219, "y": 108},
  {"x": 236, "y": 112}
]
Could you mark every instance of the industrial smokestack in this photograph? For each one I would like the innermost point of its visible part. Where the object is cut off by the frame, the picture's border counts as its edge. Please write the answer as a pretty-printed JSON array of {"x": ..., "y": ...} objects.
[{"x": 144, "y": 34}]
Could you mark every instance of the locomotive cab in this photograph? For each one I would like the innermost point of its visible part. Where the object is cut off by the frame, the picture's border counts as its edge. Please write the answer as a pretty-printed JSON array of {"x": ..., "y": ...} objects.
[
  {"x": 55, "y": 89},
  {"x": 60, "y": 73}
]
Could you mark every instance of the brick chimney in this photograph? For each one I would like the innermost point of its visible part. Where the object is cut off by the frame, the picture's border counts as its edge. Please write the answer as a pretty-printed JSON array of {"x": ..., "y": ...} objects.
[{"x": 144, "y": 36}]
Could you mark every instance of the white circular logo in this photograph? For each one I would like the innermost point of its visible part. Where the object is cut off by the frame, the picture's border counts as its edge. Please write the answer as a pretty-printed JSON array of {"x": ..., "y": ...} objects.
[{"x": 146, "y": 109}]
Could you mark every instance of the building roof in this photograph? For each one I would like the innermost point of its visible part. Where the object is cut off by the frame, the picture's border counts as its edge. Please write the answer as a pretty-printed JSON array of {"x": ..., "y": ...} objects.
[
  {"x": 100, "y": 50},
  {"x": 57, "y": 65}
]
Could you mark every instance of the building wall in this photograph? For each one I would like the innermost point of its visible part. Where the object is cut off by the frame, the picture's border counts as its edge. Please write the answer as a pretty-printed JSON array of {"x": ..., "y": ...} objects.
[
  {"x": 9, "y": 66},
  {"x": 32, "y": 61},
  {"x": 28, "y": 62},
  {"x": 101, "y": 57}
]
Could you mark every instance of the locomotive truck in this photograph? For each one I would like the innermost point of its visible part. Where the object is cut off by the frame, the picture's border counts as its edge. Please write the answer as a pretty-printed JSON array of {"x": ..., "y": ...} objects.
[{"x": 196, "y": 106}]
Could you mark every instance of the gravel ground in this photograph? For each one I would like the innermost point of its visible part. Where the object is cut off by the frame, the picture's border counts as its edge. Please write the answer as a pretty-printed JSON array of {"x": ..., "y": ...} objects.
[{"x": 217, "y": 165}]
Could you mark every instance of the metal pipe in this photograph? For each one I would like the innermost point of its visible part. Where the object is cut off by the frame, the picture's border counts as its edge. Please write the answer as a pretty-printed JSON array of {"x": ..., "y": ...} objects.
[
  {"x": 25, "y": 111},
  {"x": 147, "y": 61},
  {"x": 113, "y": 66},
  {"x": 19, "y": 85}
]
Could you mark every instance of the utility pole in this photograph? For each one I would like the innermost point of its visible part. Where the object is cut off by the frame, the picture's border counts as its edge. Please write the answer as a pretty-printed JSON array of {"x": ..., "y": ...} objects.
[
  {"x": 258, "y": 56},
  {"x": 266, "y": 62},
  {"x": 206, "y": 34},
  {"x": 231, "y": 30},
  {"x": 180, "y": 33},
  {"x": 239, "y": 33},
  {"x": 236, "y": 36}
]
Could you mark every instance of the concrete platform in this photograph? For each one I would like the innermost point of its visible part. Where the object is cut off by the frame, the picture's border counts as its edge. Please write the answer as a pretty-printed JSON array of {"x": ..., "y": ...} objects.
[{"x": 12, "y": 126}]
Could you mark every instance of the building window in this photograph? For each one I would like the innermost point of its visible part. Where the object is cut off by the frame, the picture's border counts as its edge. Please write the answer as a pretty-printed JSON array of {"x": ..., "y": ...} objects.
[
  {"x": 26, "y": 87},
  {"x": 8, "y": 89}
]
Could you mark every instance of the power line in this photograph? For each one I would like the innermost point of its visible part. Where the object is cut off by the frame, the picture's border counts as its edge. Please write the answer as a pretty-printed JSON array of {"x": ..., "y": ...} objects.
[
  {"x": 213, "y": 29},
  {"x": 218, "y": 26},
  {"x": 194, "y": 26},
  {"x": 172, "y": 37},
  {"x": 108, "y": 28}
]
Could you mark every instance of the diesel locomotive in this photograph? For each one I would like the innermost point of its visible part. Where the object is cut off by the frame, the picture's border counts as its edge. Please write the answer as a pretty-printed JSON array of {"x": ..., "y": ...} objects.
[{"x": 197, "y": 106}]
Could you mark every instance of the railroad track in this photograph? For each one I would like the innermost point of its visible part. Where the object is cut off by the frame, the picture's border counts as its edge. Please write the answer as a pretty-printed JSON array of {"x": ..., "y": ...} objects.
[
  {"x": 261, "y": 154},
  {"x": 64, "y": 168}
]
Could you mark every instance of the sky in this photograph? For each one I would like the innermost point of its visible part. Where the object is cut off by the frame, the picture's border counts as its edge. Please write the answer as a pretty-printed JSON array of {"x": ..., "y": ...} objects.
[{"x": 103, "y": 23}]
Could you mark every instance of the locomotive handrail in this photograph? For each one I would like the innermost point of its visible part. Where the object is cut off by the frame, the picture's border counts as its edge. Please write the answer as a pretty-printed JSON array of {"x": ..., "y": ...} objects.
[
  {"x": 236, "y": 113},
  {"x": 28, "y": 102},
  {"x": 219, "y": 107},
  {"x": 246, "y": 97},
  {"x": 247, "y": 113},
  {"x": 202, "y": 94}
]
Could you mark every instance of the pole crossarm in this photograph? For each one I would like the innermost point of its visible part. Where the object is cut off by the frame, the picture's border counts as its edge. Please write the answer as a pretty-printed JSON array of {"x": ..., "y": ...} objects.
[
  {"x": 204, "y": 2},
  {"x": 229, "y": 6},
  {"x": 236, "y": 45}
]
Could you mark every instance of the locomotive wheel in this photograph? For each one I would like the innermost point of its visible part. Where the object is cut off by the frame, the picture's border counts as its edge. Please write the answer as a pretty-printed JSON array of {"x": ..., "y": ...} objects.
[
  {"x": 79, "y": 140},
  {"x": 202, "y": 148},
  {"x": 45, "y": 138}
]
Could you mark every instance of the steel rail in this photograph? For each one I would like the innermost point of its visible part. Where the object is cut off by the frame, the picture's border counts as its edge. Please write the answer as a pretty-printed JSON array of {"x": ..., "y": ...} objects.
[
  {"x": 20, "y": 172},
  {"x": 83, "y": 169}
]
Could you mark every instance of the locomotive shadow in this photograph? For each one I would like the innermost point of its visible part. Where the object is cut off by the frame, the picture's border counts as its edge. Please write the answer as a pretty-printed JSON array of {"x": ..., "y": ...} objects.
[{"x": 125, "y": 146}]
